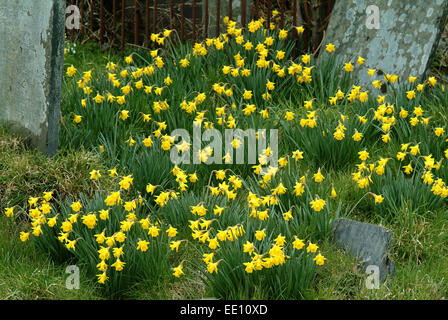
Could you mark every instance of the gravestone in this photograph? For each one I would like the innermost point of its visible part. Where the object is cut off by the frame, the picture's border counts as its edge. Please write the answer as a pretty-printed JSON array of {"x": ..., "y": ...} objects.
[
  {"x": 368, "y": 242},
  {"x": 224, "y": 11},
  {"x": 31, "y": 67},
  {"x": 394, "y": 36}
]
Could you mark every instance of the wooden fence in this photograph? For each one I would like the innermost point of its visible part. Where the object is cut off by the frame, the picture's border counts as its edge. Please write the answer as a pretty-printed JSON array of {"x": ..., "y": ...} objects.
[{"x": 118, "y": 23}]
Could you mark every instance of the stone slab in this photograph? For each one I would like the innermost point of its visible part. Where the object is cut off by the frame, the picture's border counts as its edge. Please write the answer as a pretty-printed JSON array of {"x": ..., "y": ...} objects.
[
  {"x": 405, "y": 42},
  {"x": 368, "y": 242},
  {"x": 31, "y": 67}
]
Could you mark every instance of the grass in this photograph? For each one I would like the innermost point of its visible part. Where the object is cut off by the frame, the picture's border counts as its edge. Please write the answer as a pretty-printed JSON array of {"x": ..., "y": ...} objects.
[
  {"x": 29, "y": 274},
  {"x": 25, "y": 172},
  {"x": 420, "y": 244},
  {"x": 25, "y": 272},
  {"x": 419, "y": 250}
]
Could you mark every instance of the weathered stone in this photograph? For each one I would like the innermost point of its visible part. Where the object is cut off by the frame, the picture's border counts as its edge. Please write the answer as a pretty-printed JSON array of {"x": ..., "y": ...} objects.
[
  {"x": 224, "y": 11},
  {"x": 31, "y": 66},
  {"x": 369, "y": 243},
  {"x": 404, "y": 44}
]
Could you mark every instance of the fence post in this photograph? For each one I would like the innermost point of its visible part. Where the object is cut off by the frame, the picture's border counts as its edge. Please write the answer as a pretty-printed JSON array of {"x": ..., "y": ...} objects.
[
  {"x": 206, "y": 20},
  {"x": 122, "y": 23},
  {"x": 91, "y": 18},
  {"x": 182, "y": 21},
  {"x": 218, "y": 16},
  {"x": 243, "y": 13},
  {"x": 230, "y": 9},
  {"x": 72, "y": 32},
  {"x": 135, "y": 23},
  {"x": 269, "y": 14},
  {"x": 171, "y": 15},
  {"x": 282, "y": 14},
  {"x": 294, "y": 24},
  {"x": 194, "y": 21},
  {"x": 81, "y": 12},
  {"x": 101, "y": 23},
  {"x": 147, "y": 23},
  {"x": 114, "y": 18},
  {"x": 154, "y": 18}
]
